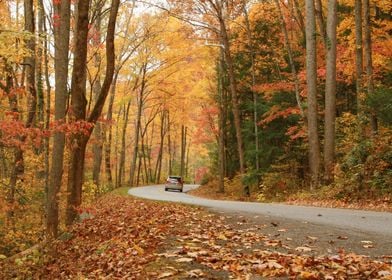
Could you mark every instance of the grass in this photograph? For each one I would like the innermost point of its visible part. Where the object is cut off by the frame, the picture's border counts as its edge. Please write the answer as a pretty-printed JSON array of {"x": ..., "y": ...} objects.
[{"x": 123, "y": 191}]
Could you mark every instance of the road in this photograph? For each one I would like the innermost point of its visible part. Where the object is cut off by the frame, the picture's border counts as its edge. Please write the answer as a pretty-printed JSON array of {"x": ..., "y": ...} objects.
[{"x": 357, "y": 220}]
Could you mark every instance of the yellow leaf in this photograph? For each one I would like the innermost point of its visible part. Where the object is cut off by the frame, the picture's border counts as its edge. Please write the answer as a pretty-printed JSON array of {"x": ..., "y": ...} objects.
[{"x": 138, "y": 249}]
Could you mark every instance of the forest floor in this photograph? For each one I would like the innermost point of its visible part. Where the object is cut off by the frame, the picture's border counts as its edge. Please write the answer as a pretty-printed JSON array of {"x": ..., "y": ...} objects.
[
  {"x": 319, "y": 199},
  {"x": 128, "y": 238}
]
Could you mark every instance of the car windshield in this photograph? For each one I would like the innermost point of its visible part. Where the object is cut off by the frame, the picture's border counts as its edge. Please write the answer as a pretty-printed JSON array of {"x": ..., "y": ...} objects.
[{"x": 178, "y": 178}]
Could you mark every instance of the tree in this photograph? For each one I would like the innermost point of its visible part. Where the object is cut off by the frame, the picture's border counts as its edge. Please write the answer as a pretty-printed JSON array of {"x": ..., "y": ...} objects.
[
  {"x": 79, "y": 103},
  {"x": 29, "y": 62},
  {"x": 330, "y": 92},
  {"x": 311, "y": 80},
  {"x": 61, "y": 42},
  {"x": 369, "y": 60}
]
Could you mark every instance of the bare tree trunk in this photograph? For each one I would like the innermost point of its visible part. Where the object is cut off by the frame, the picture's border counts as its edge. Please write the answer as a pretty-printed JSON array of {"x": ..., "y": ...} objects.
[
  {"x": 254, "y": 95},
  {"x": 78, "y": 112},
  {"x": 48, "y": 92},
  {"x": 137, "y": 126},
  {"x": 221, "y": 143},
  {"x": 321, "y": 21},
  {"x": 108, "y": 142},
  {"x": 183, "y": 147},
  {"x": 39, "y": 65},
  {"x": 61, "y": 42},
  {"x": 79, "y": 103},
  {"x": 358, "y": 55},
  {"x": 169, "y": 144},
  {"x": 121, "y": 169},
  {"x": 98, "y": 134},
  {"x": 330, "y": 93},
  {"x": 29, "y": 62},
  {"x": 311, "y": 79},
  {"x": 158, "y": 165},
  {"x": 116, "y": 166},
  {"x": 235, "y": 99},
  {"x": 369, "y": 60}
]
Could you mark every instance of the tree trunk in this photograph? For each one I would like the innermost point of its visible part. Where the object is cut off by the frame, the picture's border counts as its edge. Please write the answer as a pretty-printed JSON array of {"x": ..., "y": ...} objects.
[
  {"x": 39, "y": 65},
  {"x": 254, "y": 95},
  {"x": 330, "y": 93},
  {"x": 183, "y": 146},
  {"x": 358, "y": 55},
  {"x": 321, "y": 21},
  {"x": 29, "y": 62},
  {"x": 300, "y": 18},
  {"x": 121, "y": 169},
  {"x": 221, "y": 143},
  {"x": 137, "y": 126},
  {"x": 47, "y": 95},
  {"x": 369, "y": 60},
  {"x": 79, "y": 103},
  {"x": 169, "y": 144},
  {"x": 78, "y": 112},
  {"x": 108, "y": 142},
  {"x": 311, "y": 80},
  {"x": 158, "y": 165},
  {"x": 235, "y": 99},
  {"x": 61, "y": 42},
  {"x": 98, "y": 136}
]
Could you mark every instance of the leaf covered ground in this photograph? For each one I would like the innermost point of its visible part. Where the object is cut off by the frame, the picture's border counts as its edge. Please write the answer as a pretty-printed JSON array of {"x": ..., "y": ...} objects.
[{"x": 127, "y": 238}]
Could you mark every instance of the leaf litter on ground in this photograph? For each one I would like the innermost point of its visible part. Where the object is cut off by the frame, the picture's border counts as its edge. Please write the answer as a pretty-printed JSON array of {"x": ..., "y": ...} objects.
[{"x": 129, "y": 238}]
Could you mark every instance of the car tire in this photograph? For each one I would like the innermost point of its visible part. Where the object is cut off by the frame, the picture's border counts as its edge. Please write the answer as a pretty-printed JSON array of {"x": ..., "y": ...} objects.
[
  {"x": 166, "y": 189},
  {"x": 180, "y": 190}
]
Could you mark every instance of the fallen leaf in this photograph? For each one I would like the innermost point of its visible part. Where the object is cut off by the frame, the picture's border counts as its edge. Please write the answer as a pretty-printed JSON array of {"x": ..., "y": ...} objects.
[
  {"x": 303, "y": 249},
  {"x": 184, "y": 260},
  {"x": 311, "y": 238},
  {"x": 138, "y": 249},
  {"x": 195, "y": 273},
  {"x": 368, "y": 246},
  {"x": 165, "y": 274},
  {"x": 342, "y": 237},
  {"x": 222, "y": 237}
]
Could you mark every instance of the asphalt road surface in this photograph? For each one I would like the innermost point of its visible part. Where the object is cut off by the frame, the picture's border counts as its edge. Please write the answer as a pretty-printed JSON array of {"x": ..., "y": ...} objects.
[{"x": 354, "y": 220}]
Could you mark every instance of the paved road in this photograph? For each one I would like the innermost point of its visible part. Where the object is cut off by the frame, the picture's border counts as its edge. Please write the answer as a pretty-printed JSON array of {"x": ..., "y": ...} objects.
[{"x": 357, "y": 220}]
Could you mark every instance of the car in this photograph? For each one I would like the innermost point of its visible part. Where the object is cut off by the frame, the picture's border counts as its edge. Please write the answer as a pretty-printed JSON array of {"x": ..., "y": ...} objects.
[{"x": 174, "y": 183}]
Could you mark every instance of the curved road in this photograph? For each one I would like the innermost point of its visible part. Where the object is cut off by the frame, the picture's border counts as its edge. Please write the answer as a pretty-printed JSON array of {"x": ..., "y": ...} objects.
[{"x": 358, "y": 220}]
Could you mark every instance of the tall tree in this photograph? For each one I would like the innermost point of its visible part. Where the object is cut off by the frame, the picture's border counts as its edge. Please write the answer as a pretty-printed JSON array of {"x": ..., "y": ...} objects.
[
  {"x": 140, "y": 103},
  {"x": 78, "y": 111},
  {"x": 358, "y": 54},
  {"x": 61, "y": 27},
  {"x": 221, "y": 13},
  {"x": 253, "y": 74},
  {"x": 330, "y": 92},
  {"x": 311, "y": 85},
  {"x": 367, "y": 30},
  {"x": 79, "y": 103},
  {"x": 29, "y": 63},
  {"x": 96, "y": 87}
]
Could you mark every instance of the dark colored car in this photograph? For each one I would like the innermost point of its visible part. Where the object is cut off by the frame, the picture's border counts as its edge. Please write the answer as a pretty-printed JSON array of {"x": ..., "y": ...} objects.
[{"x": 174, "y": 183}]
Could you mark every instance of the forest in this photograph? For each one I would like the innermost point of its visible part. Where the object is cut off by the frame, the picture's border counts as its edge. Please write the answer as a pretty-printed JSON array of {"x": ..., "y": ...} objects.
[{"x": 278, "y": 100}]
